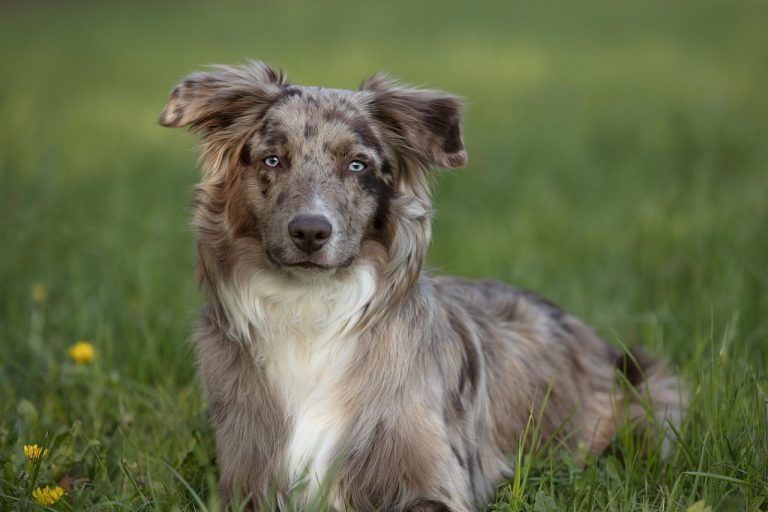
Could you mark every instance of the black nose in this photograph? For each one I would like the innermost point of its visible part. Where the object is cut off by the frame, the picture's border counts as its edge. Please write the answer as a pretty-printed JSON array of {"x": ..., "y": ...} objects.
[{"x": 310, "y": 232}]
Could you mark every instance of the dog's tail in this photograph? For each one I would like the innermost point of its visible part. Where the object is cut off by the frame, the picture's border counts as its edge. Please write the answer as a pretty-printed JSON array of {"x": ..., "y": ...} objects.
[{"x": 656, "y": 400}]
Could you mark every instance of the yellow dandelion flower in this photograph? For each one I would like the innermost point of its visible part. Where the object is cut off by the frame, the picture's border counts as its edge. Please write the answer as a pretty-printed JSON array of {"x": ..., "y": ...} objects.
[
  {"x": 39, "y": 293},
  {"x": 32, "y": 452},
  {"x": 47, "y": 496},
  {"x": 82, "y": 352}
]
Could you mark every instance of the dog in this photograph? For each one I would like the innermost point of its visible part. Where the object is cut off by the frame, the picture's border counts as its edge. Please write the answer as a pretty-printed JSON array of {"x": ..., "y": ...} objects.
[{"x": 331, "y": 362}]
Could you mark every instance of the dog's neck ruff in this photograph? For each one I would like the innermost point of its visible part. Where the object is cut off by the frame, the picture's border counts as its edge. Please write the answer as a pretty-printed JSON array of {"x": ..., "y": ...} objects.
[
  {"x": 267, "y": 308},
  {"x": 303, "y": 333}
]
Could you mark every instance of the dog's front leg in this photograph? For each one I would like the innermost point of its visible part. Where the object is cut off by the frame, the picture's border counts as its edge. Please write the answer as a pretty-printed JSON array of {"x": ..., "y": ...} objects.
[{"x": 246, "y": 417}]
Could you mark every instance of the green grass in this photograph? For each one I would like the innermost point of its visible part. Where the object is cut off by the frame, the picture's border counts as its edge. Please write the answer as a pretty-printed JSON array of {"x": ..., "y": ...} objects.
[{"x": 618, "y": 165}]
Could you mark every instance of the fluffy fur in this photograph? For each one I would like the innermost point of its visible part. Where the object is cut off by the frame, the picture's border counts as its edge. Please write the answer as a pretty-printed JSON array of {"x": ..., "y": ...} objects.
[{"x": 348, "y": 365}]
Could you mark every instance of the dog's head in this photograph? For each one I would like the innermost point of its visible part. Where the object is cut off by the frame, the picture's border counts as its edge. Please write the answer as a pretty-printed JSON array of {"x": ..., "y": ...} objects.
[{"x": 304, "y": 177}]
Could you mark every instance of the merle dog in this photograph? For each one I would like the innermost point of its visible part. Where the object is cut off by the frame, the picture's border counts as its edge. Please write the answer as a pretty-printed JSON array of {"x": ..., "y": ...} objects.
[{"x": 330, "y": 360}]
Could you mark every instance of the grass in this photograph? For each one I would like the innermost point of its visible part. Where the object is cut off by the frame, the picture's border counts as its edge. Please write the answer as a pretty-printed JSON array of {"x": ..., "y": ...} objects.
[{"x": 618, "y": 165}]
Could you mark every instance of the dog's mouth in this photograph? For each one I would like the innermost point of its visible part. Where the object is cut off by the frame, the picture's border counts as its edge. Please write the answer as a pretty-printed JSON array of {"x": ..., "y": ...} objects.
[{"x": 308, "y": 264}]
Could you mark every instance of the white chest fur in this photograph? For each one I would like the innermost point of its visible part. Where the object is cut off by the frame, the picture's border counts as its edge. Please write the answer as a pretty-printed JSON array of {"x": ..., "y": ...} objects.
[{"x": 304, "y": 335}]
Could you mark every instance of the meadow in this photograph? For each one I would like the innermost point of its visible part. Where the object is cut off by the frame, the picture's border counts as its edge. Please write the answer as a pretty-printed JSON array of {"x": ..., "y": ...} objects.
[{"x": 618, "y": 166}]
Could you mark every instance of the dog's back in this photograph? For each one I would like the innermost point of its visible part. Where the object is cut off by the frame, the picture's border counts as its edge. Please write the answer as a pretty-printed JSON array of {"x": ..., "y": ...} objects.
[{"x": 572, "y": 382}]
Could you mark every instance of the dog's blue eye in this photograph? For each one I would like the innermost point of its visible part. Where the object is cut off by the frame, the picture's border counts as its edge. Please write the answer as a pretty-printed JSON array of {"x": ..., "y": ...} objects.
[
  {"x": 272, "y": 161},
  {"x": 356, "y": 166}
]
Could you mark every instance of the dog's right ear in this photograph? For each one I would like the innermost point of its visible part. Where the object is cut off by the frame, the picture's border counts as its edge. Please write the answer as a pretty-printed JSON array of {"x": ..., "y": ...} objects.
[{"x": 215, "y": 99}]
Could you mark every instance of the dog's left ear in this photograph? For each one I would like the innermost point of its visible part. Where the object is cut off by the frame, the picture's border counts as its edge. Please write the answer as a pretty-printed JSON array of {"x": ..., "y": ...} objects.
[{"x": 424, "y": 124}]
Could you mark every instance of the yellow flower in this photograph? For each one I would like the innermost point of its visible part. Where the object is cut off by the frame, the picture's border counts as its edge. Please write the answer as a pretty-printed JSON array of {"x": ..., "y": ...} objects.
[
  {"x": 47, "y": 496},
  {"x": 32, "y": 452},
  {"x": 82, "y": 352},
  {"x": 39, "y": 293}
]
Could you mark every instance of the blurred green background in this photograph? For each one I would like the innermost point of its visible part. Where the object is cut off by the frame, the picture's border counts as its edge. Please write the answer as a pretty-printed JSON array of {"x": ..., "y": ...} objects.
[{"x": 618, "y": 165}]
